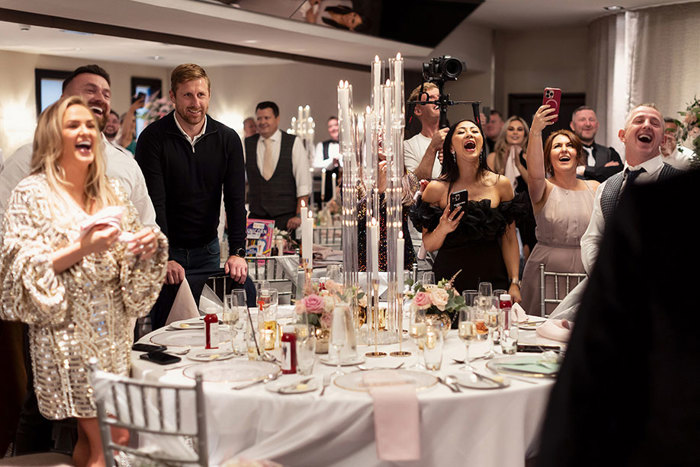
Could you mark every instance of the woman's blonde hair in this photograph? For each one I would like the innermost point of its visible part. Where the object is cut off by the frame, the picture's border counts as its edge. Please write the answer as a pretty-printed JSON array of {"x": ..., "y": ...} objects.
[
  {"x": 48, "y": 151},
  {"x": 502, "y": 146}
]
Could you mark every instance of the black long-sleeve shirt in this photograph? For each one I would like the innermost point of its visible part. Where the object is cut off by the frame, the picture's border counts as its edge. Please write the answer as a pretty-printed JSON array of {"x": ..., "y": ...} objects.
[{"x": 185, "y": 183}]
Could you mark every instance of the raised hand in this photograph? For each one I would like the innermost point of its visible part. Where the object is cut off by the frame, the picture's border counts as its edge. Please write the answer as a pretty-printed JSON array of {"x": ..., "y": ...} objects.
[{"x": 542, "y": 118}]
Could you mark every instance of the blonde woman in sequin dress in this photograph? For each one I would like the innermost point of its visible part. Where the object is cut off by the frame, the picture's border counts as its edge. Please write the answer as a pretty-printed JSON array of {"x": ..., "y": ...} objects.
[{"x": 76, "y": 293}]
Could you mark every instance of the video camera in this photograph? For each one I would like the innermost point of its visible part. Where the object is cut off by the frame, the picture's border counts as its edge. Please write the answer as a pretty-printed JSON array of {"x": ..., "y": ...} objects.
[{"x": 441, "y": 69}]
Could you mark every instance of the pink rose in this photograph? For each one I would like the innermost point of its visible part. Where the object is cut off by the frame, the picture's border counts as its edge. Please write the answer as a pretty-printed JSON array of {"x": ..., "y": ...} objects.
[
  {"x": 313, "y": 303},
  {"x": 422, "y": 301}
]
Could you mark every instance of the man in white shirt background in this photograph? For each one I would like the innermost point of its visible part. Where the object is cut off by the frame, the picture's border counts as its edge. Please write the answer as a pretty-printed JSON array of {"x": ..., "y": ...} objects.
[
  {"x": 423, "y": 152},
  {"x": 277, "y": 166},
  {"x": 327, "y": 156}
]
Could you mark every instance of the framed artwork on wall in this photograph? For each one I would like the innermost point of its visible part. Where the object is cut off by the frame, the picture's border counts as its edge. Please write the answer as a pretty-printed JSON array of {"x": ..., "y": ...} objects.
[{"x": 48, "y": 85}]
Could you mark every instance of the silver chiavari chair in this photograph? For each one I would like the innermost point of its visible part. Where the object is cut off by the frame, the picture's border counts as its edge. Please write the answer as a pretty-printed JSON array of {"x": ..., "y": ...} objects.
[
  {"x": 271, "y": 269},
  {"x": 329, "y": 237},
  {"x": 550, "y": 289},
  {"x": 170, "y": 417}
]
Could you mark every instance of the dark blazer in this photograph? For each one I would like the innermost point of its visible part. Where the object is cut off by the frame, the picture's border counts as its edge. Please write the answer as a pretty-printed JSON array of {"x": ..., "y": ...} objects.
[
  {"x": 629, "y": 390},
  {"x": 602, "y": 156}
]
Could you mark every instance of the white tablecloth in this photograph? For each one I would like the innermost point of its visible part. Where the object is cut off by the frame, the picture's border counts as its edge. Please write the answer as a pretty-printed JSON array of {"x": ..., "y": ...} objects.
[{"x": 475, "y": 427}]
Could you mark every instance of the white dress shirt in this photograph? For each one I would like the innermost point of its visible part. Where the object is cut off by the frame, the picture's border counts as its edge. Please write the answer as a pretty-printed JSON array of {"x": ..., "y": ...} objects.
[
  {"x": 590, "y": 242},
  {"x": 300, "y": 161},
  {"x": 333, "y": 153},
  {"x": 120, "y": 166},
  {"x": 413, "y": 152}
]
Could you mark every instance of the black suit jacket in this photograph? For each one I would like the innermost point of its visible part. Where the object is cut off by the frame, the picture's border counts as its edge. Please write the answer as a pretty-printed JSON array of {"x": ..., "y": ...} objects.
[
  {"x": 629, "y": 388},
  {"x": 602, "y": 156}
]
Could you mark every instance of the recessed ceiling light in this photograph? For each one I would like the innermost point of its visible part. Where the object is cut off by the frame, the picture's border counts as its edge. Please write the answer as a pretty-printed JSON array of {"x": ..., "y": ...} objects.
[
  {"x": 155, "y": 57},
  {"x": 614, "y": 8},
  {"x": 250, "y": 41}
]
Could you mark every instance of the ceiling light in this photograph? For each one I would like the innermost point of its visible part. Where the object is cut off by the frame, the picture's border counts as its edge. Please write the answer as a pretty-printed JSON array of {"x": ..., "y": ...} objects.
[
  {"x": 614, "y": 8},
  {"x": 24, "y": 27},
  {"x": 80, "y": 33},
  {"x": 155, "y": 57},
  {"x": 250, "y": 41}
]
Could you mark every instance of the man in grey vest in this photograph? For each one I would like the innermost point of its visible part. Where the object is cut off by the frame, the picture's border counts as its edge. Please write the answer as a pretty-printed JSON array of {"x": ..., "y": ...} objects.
[
  {"x": 278, "y": 171},
  {"x": 642, "y": 136}
]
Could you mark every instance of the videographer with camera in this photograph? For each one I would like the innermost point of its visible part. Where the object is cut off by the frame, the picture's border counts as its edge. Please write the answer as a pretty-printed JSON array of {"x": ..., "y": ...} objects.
[{"x": 423, "y": 152}]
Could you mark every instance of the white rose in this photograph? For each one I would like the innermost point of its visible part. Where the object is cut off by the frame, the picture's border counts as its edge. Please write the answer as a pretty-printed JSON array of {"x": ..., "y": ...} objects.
[{"x": 439, "y": 297}]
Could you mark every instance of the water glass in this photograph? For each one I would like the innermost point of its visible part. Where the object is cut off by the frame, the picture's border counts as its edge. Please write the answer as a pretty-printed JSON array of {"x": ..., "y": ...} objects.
[
  {"x": 509, "y": 335},
  {"x": 432, "y": 347},
  {"x": 485, "y": 289},
  {"x": 306, "y": 355},
  {"x": 338, "y": 336},
  {"x": 428, "y": 278},
  {"x": 333, "y": 273}
]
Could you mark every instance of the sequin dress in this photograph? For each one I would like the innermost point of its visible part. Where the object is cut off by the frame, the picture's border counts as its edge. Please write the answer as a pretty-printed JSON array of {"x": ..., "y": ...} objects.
[{"x": 80, "y": 313}]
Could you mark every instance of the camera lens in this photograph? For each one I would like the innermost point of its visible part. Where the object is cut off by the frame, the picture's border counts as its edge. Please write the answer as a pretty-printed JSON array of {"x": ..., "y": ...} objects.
[{"x": 452, "y": 68}]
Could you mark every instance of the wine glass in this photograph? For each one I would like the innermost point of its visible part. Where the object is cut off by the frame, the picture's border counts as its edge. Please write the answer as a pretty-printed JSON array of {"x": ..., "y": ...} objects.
[
  {"x": 338, "y": 334},
  {"x": 485, "y": 289},
  {"x": 267, "y": 317},
  {"x": 428, "y": 278},
  {"x": 333, "y": 273},
  {"x": 467, "y": 330}
]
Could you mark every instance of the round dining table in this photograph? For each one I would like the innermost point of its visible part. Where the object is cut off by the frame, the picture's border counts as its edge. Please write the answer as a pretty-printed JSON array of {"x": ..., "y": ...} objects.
[{"x": 475, "y": 427}]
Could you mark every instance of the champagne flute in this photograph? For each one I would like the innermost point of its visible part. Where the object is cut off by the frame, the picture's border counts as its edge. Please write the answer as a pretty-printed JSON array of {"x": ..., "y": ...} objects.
[
  {"x": 338, "y": 337},
  {"x": 467, "y": 331}
]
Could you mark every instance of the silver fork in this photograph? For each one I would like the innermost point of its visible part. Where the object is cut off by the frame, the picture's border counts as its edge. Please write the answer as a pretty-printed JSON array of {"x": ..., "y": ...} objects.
[{"x": 326, "y": 383}]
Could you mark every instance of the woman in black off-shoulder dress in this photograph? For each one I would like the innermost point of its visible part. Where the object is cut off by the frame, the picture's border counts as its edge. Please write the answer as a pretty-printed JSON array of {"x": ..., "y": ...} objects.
[{"x": 479, "y": 240}]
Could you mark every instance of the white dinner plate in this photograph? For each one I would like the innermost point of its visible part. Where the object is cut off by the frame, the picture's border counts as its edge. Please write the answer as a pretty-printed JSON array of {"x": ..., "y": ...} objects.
[
  {"x": 532, "y": 323},
  {"x": 350, "y": 362},
  {"x": 186, "y": 324},
  {"x": 524, "y": 365},
  {"x": 235, "y": 371},
  {"x": 286, "y": 387},
  {"x": 191, "y": 337},
  {"x": 360, "y": 380},
  {"x": 210, "y": 355},
  {"x": 472, "y": 381}
]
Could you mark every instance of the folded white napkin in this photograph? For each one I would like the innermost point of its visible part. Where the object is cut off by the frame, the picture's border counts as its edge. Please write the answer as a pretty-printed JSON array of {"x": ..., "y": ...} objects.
[
  {"x": 208, "y": 301},
  {"x": 522, "y": 316},
  {"x": 109, "y": 216},
  {"x": 184, "y": 306},
  {"x": 555, "y": 329}
]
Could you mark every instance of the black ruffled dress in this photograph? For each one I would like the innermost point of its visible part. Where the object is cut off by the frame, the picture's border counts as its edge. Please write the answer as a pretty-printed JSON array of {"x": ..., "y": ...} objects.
[{"x": 474, "y": 247}]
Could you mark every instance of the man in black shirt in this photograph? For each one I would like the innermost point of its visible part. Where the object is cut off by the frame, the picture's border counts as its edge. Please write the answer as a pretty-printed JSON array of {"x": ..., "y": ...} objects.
[
  {"x": 601, "y": 161},
  {"x": 187, "y": 159}
]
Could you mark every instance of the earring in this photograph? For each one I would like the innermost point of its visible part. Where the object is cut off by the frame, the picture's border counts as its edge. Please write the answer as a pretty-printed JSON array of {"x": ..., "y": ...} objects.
[{"x": 454, "y": 155}]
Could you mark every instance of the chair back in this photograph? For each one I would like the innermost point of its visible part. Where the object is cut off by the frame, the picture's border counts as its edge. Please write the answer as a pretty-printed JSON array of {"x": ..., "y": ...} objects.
[
  {"x": 329, "y": 237},
  {"x": 279, "y": 271},
  {"x": 554, "y": 286},
  {"x": 168, "y": 420}
]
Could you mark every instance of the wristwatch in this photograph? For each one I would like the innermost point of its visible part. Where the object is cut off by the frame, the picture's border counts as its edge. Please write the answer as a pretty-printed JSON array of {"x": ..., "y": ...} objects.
[
  {"x": 240, "y": 252},
  {"x": 515, "y": 282}
]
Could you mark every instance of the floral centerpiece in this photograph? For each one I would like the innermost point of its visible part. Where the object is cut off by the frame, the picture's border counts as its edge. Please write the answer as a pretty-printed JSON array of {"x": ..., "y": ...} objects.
[
  {"x": 320, "y": 300},
  {"x": 441, "y": 300},
  {"x": 156, "y": 108},
  {"x": 689, "y": 129}
]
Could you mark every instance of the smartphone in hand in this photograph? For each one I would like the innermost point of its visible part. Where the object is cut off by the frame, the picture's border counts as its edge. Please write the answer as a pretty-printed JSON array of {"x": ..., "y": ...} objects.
[
  {"x": 458, "y": 199},
  {"x": 552, "y": 98}
]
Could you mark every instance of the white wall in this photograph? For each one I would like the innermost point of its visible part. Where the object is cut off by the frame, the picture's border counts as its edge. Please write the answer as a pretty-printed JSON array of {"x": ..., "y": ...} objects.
[
  {"x": 237, "y": 89},
  {"x": 528, "y": 61},
  {"x": 17, "y": 96}
]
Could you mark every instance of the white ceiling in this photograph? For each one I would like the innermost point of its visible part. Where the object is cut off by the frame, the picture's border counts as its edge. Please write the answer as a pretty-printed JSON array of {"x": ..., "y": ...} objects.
[{"x": 231, "y": 27}]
